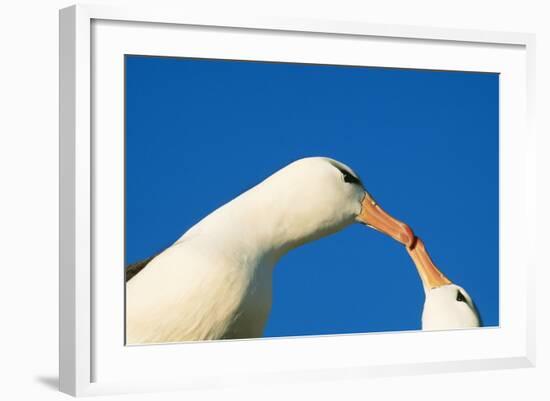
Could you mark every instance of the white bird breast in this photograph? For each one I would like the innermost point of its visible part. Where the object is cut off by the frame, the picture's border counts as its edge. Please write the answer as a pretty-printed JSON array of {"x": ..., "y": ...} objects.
[{"x": 206, "y": 295}]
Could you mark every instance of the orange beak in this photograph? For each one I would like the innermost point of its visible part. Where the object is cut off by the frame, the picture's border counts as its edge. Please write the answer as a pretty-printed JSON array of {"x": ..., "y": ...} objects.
[
  {"x": 429, "y": 273},
  {"x": 375, "y": 217}
]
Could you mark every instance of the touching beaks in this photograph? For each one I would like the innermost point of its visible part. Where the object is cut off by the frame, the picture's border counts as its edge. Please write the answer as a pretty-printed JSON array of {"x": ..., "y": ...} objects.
[
  {"x": 375, "y": 217},
  {"x": 430, "y": 275}
]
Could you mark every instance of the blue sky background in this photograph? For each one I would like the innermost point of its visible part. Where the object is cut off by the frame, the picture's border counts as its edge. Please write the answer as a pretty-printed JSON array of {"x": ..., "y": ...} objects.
[{"x": 425, "y": 143}]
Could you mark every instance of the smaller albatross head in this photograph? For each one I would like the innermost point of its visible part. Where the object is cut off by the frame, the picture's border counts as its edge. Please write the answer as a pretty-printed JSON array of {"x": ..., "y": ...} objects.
[
  {"x": 447, "y": 306},
  {"x": 320, "y": 196}
]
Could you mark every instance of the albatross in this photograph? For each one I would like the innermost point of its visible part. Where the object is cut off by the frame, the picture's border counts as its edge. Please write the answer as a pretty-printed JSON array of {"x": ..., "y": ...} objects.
[
  {"x": 447, "y": 305},
  {"x": 215, "y": 281}
]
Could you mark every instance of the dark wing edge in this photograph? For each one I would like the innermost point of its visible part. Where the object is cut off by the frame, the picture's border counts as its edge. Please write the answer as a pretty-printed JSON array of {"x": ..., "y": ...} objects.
[{"x": 135, "y": 268}]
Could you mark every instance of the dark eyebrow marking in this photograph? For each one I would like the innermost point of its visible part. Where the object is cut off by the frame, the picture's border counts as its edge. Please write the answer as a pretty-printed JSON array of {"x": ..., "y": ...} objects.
[
  {"x": 460, "y": 297},
  {"x": 349, "y": 177}
]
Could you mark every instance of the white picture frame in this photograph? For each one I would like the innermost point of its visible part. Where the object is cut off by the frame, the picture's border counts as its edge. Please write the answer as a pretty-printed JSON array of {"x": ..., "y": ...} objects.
[{"x": 93, "y": 359}]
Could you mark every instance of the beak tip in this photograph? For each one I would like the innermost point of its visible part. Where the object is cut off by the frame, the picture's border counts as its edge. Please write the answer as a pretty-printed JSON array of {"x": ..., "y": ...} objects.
[{"x": 407, "y": 236}]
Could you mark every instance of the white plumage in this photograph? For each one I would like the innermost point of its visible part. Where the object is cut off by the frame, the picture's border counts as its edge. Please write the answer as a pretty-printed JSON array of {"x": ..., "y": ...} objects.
[
  {"x": 449, "y": 307},
  {"x": 215, "y": 281}
]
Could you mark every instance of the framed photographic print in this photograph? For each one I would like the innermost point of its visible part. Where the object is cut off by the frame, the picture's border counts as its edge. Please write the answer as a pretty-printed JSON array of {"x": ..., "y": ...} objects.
[{"x": 266, "y": 200}]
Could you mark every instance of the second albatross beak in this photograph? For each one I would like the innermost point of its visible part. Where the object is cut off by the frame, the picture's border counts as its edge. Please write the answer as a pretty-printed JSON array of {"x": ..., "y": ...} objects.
[
  {"x": 375, "y": 217},
  {"x": 430, "y": 275}
]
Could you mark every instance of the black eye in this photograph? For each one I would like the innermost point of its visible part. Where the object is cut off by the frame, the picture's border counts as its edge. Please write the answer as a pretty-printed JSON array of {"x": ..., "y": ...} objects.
[{"x": 460, "y": 297}]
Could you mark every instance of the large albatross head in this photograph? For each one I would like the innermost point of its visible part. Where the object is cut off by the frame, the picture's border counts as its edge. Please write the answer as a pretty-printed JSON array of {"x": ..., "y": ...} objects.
[
  {"x": 317, "y": 196},
  {"x": 447, "y": 305}
]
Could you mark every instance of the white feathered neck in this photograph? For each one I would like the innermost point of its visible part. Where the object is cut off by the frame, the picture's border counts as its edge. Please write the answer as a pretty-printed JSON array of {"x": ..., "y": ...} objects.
[{"x": 300, "y": 203}]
